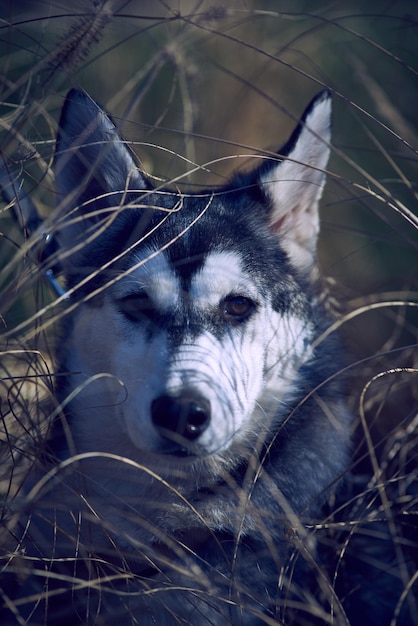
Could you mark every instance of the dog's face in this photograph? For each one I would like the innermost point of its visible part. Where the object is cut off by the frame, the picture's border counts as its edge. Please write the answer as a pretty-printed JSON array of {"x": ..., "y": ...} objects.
[
  {"x": 190, "y": 330},
  {"x": 194, "y": 357}
]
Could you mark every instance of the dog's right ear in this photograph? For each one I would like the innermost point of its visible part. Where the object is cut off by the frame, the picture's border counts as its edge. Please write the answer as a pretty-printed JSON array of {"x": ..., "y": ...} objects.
[
  {"x": 294, "y": 183},
  {"x": 94, "y": 168}
]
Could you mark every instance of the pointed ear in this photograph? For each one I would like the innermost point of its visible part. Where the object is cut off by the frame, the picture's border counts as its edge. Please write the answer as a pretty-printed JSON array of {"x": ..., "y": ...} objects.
[
  {"x": 294, "y": 185},
  {"x": 92, "y": 163}
]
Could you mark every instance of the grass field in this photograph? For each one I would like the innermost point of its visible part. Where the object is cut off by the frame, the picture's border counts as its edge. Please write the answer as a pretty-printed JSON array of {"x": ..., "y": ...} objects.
[{"x": 201, "y": 89}]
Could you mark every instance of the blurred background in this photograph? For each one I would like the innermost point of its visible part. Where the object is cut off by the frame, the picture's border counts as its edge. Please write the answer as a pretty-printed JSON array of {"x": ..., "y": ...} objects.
[{"x": 200, "y": 88}]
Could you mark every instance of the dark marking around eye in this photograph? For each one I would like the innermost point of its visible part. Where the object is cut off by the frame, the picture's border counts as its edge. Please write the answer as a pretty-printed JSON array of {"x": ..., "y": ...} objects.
[
  {"x": 237, "y": 308},
  {"x": 136, "y": 306}
]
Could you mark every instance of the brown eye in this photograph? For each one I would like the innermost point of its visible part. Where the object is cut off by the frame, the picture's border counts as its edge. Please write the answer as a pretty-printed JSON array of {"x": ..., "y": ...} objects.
[{"x": 237, "y": 308}]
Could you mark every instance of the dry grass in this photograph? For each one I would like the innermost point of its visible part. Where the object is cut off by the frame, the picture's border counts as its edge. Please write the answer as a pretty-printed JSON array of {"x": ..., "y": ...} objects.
[{"x": 216, "y": 86}]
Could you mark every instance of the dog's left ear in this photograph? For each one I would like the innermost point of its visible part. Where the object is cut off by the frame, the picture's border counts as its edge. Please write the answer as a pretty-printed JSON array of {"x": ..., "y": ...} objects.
[
  {"x": 294, "y": 185},
  {"x": 94, "y": 170}
]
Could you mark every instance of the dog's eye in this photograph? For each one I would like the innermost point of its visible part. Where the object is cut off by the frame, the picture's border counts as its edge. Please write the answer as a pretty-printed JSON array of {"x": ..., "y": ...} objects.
[
  {"x": 237, "y": 308},
  {"x": 136, "y": 306}
]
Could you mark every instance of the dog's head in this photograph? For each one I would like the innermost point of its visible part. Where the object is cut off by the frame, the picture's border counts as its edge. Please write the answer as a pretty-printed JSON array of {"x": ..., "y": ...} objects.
[{"x": 191, "y": 314}]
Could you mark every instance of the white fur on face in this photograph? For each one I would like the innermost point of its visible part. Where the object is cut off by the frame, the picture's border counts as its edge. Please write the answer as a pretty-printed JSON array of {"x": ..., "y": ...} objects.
[
  {"x": 221, "y": 275},
  {"x": 243, "y": 374},
  {"x": 155, "y": 276}
]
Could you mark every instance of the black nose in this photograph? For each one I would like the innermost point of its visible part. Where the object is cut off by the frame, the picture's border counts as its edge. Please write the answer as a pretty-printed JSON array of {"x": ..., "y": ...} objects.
[{"x": 186, "y": 415}]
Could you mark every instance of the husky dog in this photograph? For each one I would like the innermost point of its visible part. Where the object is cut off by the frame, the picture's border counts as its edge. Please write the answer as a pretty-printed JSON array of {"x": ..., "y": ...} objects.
[{"x": 201, "y": 424}]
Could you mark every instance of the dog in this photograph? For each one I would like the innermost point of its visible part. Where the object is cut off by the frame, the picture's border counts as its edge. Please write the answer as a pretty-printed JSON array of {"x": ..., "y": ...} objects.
[{"x": 201, "y": 428}]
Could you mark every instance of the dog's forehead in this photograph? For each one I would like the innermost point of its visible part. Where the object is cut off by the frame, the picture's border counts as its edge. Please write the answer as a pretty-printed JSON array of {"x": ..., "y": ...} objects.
[{"x": 217, "y": 274}]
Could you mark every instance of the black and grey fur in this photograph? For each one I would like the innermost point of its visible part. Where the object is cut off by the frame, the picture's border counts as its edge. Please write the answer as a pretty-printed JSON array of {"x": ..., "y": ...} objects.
[{"x": 202, "y": 426}]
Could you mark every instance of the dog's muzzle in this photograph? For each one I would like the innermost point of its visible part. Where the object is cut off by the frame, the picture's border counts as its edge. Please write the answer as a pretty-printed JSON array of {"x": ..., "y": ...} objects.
[{"x": 181, "y": 417}]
